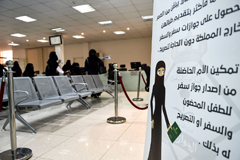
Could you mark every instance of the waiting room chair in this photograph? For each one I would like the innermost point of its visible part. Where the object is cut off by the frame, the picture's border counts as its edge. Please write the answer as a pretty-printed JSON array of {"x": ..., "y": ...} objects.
[
  {"x": 99, "y": 84},
  {"x": 91, "y": 85},
  {"x": 26, "y": 99},
  {"x": 65, "y": 89},
  {"x": 48, "y": 91}
]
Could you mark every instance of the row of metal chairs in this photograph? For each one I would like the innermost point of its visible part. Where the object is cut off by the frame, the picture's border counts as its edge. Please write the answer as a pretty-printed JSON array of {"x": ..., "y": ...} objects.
[{"x": 44, "y": 91}]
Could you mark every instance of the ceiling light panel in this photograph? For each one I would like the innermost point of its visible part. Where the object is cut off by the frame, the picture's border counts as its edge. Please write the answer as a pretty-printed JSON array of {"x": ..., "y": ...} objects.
[
  {"x": 18, "y": 35},
  {"x": 55, "y": 29},
  {"x": 119, "y": 32},
  {"x": 105, "y": 23},
  {"x": 58, "y": 29},
  {"x": 42, "y": 40},
  {"x": 13, "y": 44},
  {"x": 25, "y": 19},
  {"x": 78, "y": 36},
  {"x": 147, "y": 18},
  {"x": 84, "y": 8}
]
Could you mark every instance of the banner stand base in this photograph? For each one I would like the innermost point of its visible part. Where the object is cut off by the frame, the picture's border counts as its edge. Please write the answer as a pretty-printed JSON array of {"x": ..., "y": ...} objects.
[
  {"x": 22, "y": 154},
  {"x": 137, "y": 99},
  {"x": 116, "y": 120}
]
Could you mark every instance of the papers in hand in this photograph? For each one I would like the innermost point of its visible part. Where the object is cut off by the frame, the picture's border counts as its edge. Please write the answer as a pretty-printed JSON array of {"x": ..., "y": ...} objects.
[
  {"x": 59, "y": 70},
  {"x": 107, "y": 57}
]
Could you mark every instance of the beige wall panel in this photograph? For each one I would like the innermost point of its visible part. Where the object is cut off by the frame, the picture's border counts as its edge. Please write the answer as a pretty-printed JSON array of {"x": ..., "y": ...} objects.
[
  {"x": 125, "y": 51},
  {"x": 20, "y": 56},
  {"x": 73, "y": 51},
  {"x": 121, "y": 51},
  {"x": 35, "y": 57}
]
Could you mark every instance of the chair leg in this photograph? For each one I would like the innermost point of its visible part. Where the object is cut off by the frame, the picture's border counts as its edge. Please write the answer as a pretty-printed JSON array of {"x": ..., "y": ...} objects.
[
  {"x": 23, "y": 121},
  {"x": 5, "y": 123},
  {"x": 109, "y": 93},
  {"x": 84, "y": 103},
  {"x": 69, "y": 104}
]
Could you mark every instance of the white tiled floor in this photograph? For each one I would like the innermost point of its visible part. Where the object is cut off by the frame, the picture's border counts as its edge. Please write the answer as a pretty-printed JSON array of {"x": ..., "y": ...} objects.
[{"x": 83, "y": 134}]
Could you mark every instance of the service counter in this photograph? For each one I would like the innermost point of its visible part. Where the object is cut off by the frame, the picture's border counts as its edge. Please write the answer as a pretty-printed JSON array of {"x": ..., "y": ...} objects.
[{"x": 130, "y": 80}]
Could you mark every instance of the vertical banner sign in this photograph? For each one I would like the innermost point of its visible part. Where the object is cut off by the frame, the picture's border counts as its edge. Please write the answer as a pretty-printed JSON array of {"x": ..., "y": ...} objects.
[{"x": 194, "y": 107}]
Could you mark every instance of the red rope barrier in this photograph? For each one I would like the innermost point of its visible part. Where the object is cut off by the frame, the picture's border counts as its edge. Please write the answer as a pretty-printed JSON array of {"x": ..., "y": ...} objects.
[
  {"x": 144, "y": 80},
  {"x": 1, "y": 94},
  {"x": 124, "y": 90}
]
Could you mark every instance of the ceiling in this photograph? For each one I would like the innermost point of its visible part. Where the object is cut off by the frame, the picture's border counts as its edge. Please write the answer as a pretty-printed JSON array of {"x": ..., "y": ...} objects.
[{"x": 59, "y": 13}]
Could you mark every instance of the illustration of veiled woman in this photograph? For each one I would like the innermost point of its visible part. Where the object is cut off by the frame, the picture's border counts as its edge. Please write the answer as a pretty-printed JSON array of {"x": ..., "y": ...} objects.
[{"x": 158, "y": 93}]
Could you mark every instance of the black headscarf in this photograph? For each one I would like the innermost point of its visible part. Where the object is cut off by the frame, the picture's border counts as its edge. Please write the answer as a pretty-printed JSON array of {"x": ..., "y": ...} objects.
[
  {"x": 67, "y": 66},
  {"x": 93, "y": 63},
  {"x": 29, "y": 71},
  {"x": 75, "y": 69},
  {"x": 52, "y": 64},
  {"x": 1, "y": 70},
  {"x": 159, "y": 80},
  {"x": 53, "y": 56},
  {"x": 17, "y": 69}
]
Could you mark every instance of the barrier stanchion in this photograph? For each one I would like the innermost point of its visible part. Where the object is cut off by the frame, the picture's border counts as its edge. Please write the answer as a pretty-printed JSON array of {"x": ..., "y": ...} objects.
[
  {"x": 2, "y": 90},
  {"x": 125, "y": 92},
  {"x": 14, "y": 153},
  {"x": 139, "y": 78},
  {"x": 116, "y": 119}
]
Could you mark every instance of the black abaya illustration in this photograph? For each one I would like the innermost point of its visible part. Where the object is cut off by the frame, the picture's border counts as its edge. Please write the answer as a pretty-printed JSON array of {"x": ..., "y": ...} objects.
[{"x": 158, "y": 93}]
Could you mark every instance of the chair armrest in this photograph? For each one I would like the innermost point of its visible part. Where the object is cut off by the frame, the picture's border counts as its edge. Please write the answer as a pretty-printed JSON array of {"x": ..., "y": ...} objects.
[
  {"x": 20, "y": 91},
  {"x": 73, "y": 84},
  {"x": 85, "y": 85}
]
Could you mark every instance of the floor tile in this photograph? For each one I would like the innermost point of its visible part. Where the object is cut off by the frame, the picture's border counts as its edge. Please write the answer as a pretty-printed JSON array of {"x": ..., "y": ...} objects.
[
  {"x": 134, "y": 134},
  {"x": 104, "y": 131},
  {"x": 79, "y": 149},
  {"x": 82, "y": 134},
  {"x": 125, "y": 151}
]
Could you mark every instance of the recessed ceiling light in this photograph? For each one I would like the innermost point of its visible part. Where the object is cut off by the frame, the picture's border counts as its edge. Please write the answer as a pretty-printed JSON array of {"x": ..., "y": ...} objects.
[
  {"x": 13, "y": 44},
  {"x": 105, "y": 23},
  {"x": 42, "y": 40},
  {"x": 128, "y": 29},
  {"x": 25, "y": 19},
  {"x": 58, "y": 29},
  {"x": 82, "y": 33},
  {"x": 55, "y": 29},
  {"x": 119, "y": 32},
  {"x": 104, "y": 31},
  {"x": 147, "y": 18},
  {"x": 18, "y": 35},
  {"x": 78, "y": 36},
  {"x": 27, "y": 40},
  {"x": 84, "y": 8}
]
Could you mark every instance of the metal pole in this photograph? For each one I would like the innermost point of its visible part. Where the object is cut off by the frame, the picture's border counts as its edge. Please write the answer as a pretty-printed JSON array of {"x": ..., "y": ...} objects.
[
  {"x": 11, "y": 111},
  {"x": 138, "y": 89},
  {"x": 14, "y": 153},
  {"x": 116, "y": 119},
  {"x": 116, "y": 90}
]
